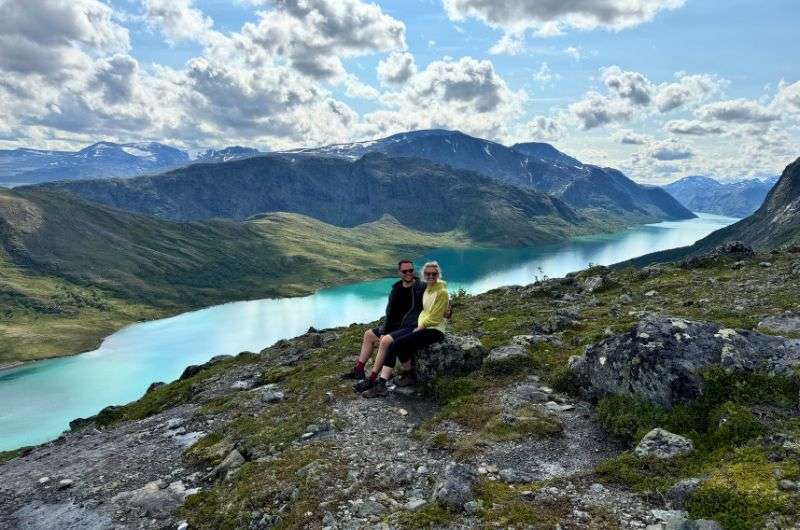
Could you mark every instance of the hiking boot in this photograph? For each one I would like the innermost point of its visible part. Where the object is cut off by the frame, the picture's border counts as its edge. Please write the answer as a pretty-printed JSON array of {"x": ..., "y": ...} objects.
[
  {"x": 407, "y": 379},
  {"x": 376, "y": 390},
  {"x": 364, "y": 384},
  {"x": 355, "y": 375}
]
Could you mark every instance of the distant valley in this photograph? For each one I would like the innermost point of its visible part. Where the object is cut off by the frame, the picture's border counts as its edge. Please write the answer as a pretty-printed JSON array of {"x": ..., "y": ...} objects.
[{"x": 734, "y": 199}]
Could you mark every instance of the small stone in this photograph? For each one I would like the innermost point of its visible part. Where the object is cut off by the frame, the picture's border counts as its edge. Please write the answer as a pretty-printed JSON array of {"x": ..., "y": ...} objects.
[
  {"x": 787, "y": 485},
  {"x": 625, "y": 299},
  {"x": 556, "y": 407},
  {"x": 44, "y": 480},
  {"x": 242, "y": 385},
  {"x": 681, "y": 491},
  {"x": 765, "y": 264},
  {"x": 369, "y": 508},
  {"x": 182, "y": 525},
  {"x": 402, "y": 412},
  {"x": 660, "y": 443},
  {"x": 650, "y": 294},
  {"x": 272, "y": 396},
  {"x": 307, "y": 435},
  {"x": 455, "y": 487},
  {"x": 471, "y": 507},
  {"x": 414, "y": 504},
  {"x": 65, "y": 483},
  {"x": 505, "y": 353},
  {"x": 597, "y": 488}
]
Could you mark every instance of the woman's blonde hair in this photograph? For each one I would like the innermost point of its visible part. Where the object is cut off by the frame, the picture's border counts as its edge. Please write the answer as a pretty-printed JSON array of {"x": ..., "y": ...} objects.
[{"x": 434, "y": 264}]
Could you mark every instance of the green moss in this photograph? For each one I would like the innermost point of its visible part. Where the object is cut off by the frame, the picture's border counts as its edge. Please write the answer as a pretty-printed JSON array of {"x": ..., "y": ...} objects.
[
  {"x": 429, "y": 516},
  {"x": 524, "y": 423},
  {"x": 504, "y": 506},
  {"x": 732, "y": 425},
  {"x": 743, "y": 491},
  {"x": 5, "y": 456},
  {"x": 257, "y": 486}
]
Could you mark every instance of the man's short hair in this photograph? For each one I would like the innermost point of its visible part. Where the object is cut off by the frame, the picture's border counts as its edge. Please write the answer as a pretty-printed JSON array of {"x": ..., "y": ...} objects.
[{"x": 400, "y": 263}]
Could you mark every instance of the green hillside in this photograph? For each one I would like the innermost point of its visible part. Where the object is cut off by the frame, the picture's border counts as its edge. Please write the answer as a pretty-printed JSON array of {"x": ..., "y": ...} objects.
[{"x": 72, "y": 272}]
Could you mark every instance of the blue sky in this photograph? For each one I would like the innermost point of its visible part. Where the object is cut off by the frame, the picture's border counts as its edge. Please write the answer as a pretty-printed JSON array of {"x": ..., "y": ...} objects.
[{"x": 658, "y": 88}]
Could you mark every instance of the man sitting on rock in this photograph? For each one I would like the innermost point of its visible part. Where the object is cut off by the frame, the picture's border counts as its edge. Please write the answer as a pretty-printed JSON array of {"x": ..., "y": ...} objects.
[{"x": 402, "y": 312}]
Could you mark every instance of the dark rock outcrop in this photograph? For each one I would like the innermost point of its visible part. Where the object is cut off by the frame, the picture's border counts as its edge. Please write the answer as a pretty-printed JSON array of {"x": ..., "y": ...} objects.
[
  {"x": 662, "y": 357},
  {"x": 455, "y": 355}
]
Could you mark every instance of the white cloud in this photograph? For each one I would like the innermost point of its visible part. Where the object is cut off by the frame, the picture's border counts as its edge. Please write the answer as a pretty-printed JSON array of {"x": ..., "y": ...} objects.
[
  {"x": 788, "y": 98},
  {"x": 397, "y": 68},
  {"x": 596, "y": 110},
  {"x": 179, "y": 20},
  {"x": 742, "y": 111},
  {"x": 552, "y": 17},
  {"x": 465, "y": 94},
  {"x": 628, "y": 137},
  {"x": 688, "y": 90},
  {"x": 667, "y": 150},
  {"x": 574, "y": 51},
  {"x": 545, "y": 75},
  {"x": 314, "y": 35},
  {"x": 53, "y": 38},
  {"x": 542, "y": 128},
  {"x": 692, "y": 127},
  {"x": 631, "y": 86},
  {"x": 511, "y": 43}
]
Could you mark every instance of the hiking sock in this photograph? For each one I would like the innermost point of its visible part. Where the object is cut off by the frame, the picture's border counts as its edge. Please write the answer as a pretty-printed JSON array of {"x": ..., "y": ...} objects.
[
  {"x": 359, "y": 367},
  {"x": 373, "y": 376}
]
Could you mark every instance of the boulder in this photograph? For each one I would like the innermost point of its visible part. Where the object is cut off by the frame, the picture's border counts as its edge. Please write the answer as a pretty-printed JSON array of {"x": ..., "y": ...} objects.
[
  {"x": 561, "y": 320},
  {"x": 784, "y": 323},
  {"x": 194, "y": 369},
  {"x": 506, "y": 353},
  {"x": 659, "y": 443},
  {"x": 732, "y": 247},
  {"x": 681, "y": 491},
  {"x": 157, "y": 499},
  {"x": 592, "y": 283},
  {"x": 454, "y": 489},
  {"x": 662, "y": 357},
  {"x": 455, "y": 355}
]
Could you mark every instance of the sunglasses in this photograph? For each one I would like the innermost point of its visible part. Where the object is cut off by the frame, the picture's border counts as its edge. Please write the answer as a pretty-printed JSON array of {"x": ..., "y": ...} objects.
[
  {"x": 431, "y": 274},
  {"x": 406, "y": 271}
]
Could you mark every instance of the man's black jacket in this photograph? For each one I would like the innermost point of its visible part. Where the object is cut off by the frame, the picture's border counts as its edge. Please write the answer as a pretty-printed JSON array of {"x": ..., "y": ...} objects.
[{"x": 394, "y": 321}]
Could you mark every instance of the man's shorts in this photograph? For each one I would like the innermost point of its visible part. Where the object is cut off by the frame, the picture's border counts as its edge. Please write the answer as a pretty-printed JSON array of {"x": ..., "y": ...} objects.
[{"x": 396, "y": 333}]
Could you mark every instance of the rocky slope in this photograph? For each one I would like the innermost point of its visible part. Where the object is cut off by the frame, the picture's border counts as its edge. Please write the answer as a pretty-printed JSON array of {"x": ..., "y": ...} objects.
[
  {"x": 603, "y": 191},
  {"x": 733, "y": 199},
  {"x": 419, "y": 194},
  {"x": 275, "y": 440}
]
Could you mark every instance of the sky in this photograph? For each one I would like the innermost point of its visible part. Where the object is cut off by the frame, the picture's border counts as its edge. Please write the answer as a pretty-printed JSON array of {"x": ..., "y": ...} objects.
[{"x": 660, "y": 89}]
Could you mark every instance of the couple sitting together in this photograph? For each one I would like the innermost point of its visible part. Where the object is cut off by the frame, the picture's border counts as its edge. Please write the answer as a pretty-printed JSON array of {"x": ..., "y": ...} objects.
[{"x": 415, "y": 318}]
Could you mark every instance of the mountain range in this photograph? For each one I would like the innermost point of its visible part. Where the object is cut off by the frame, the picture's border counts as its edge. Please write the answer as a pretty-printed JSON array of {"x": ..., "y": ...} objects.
[
  {"x": 420, "y": 194},
  {"x": 733, "y": 199},
  {"x": 593, "y": 189},
  {"x": 776, "y": 223},
  {"x": 104, "y": 159}
]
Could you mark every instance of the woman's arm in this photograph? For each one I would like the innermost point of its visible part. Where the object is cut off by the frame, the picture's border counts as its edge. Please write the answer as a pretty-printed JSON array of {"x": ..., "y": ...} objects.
[{"x": 436, "y": 314}]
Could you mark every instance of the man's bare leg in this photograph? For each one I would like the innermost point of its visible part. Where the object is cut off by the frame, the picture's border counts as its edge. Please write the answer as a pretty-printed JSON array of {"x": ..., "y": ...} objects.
[
  {"x": 383, "y": 346},
  {"x": 367, "y": 346}
]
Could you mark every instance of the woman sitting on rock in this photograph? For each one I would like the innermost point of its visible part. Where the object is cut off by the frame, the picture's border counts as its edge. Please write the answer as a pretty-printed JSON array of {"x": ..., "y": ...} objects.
[{"x": 430, "y": 329}]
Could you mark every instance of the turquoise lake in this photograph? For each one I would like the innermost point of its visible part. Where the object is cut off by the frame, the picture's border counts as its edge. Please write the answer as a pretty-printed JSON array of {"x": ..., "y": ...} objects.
[{"x": 39, "y": 399}]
